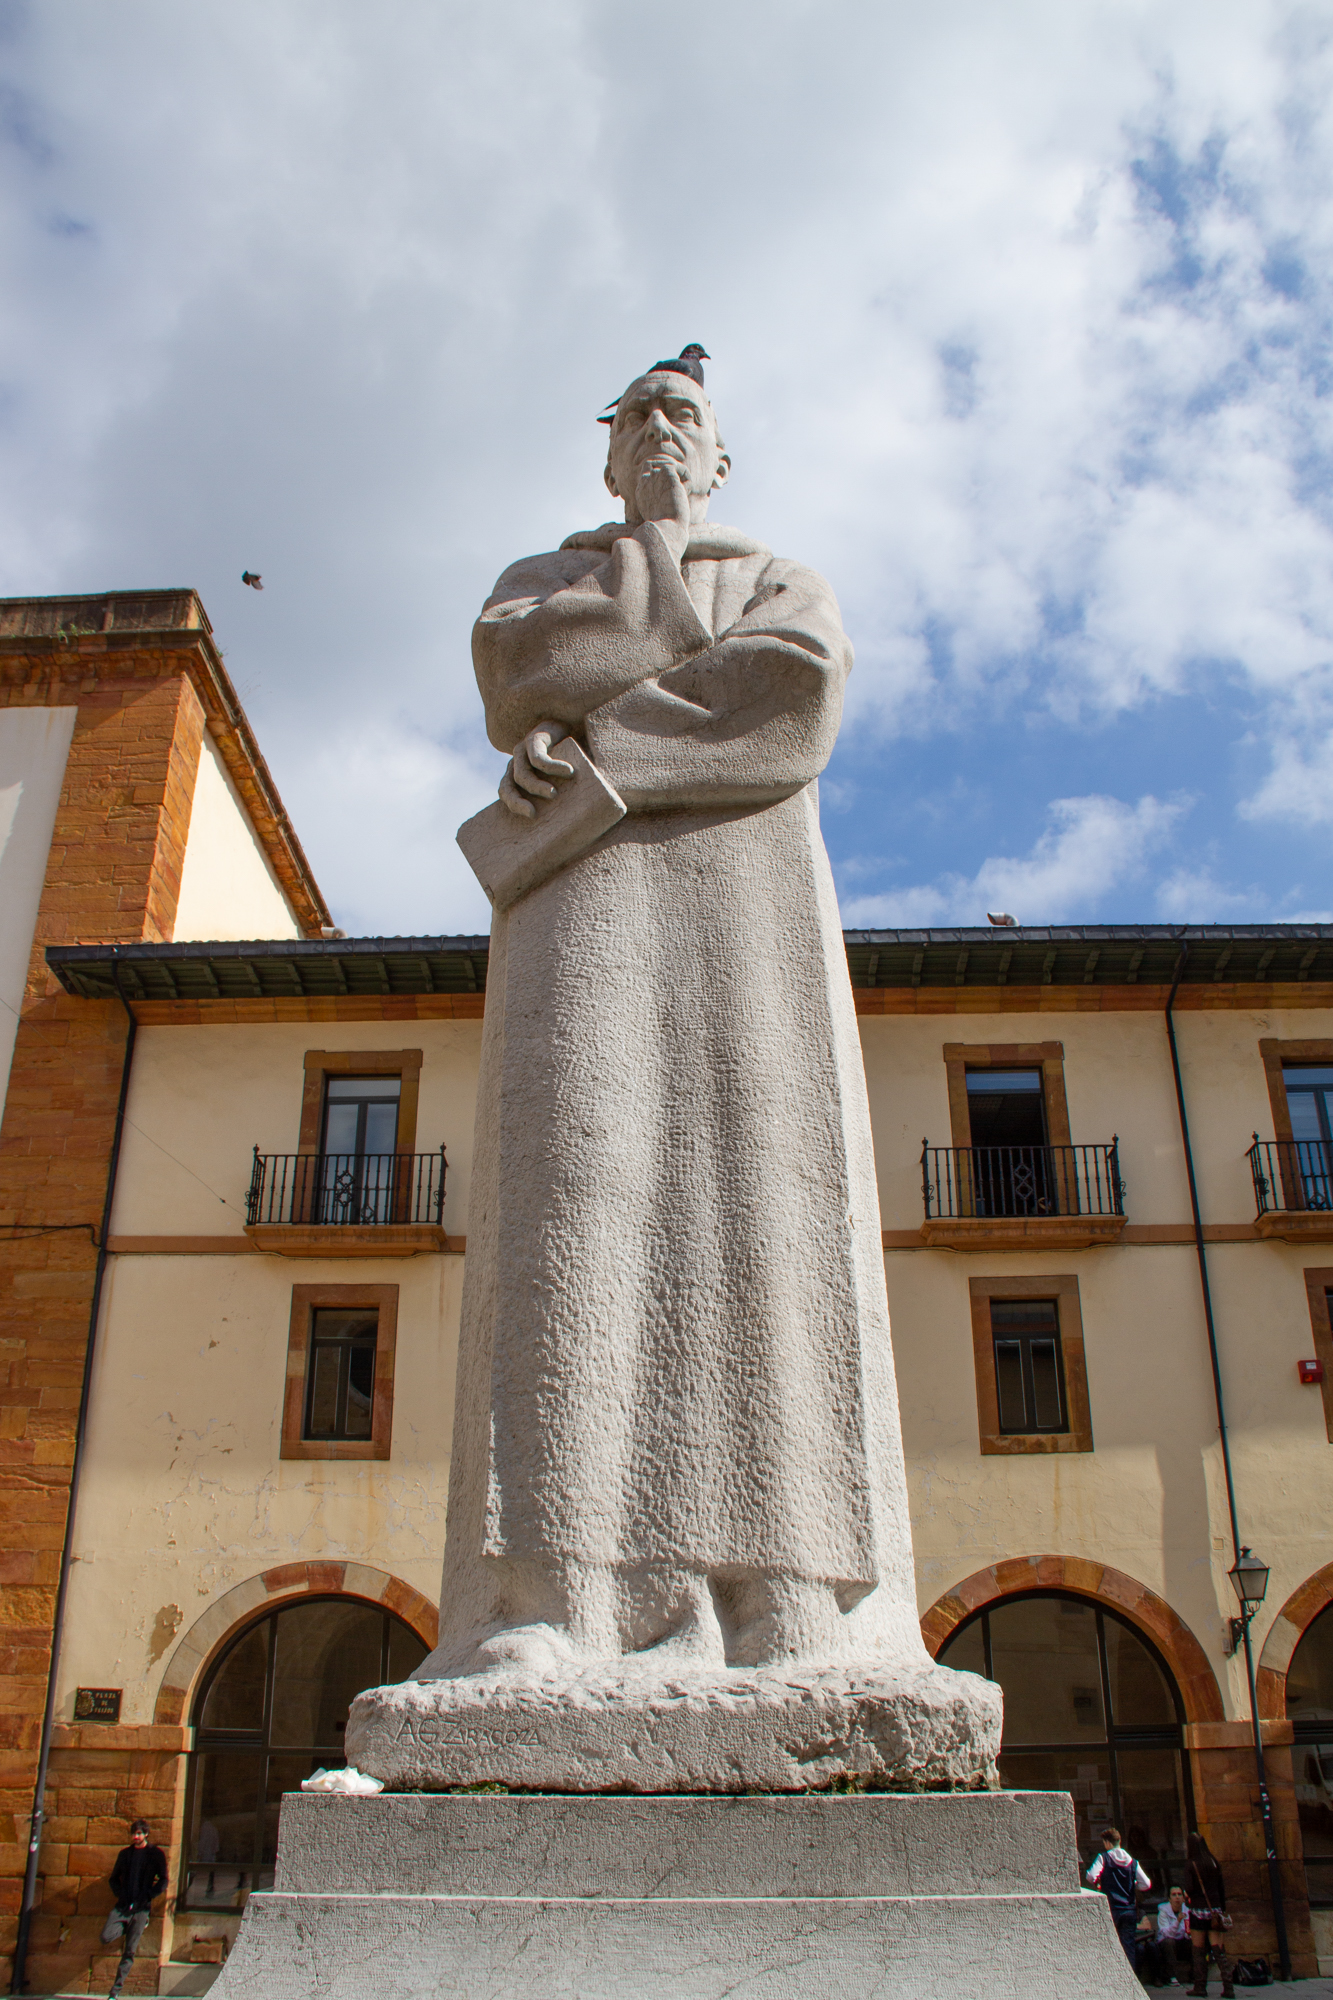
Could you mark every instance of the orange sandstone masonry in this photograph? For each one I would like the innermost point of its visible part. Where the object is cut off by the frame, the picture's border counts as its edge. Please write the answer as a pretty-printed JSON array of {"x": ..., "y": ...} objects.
[{"x": 146, "y": 680}]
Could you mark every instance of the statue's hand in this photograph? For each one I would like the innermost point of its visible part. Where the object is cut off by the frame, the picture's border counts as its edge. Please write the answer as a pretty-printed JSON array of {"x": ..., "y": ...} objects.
[
  {"x": 530, "y": 760},
  {"x": 664, "y": 497}
]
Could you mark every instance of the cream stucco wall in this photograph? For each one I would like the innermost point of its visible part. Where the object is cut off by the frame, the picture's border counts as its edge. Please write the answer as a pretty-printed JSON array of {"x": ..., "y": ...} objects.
[
  {"x": 34, "y": 745},
  {"x": 202, "y": 1098},
  {"x": 1150, "y": 1499},
  {"x": 185, "y": 1496},
  {"x": 228, "y": 889}
]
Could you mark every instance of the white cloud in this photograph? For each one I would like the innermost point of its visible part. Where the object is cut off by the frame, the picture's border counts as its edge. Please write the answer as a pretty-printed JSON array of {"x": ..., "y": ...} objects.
[
  {"x": 1195, "y": 896},
  {"x": 1298, "y": 787},
  {"x": 396, "y": 793},
  {"x": 1018, "y": 315},
  {"x": 1091, "y": 846}
]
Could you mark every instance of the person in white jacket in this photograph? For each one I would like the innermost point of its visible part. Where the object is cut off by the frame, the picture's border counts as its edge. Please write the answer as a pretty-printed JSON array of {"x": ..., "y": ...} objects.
[{"x": 1119, "y": 1877}]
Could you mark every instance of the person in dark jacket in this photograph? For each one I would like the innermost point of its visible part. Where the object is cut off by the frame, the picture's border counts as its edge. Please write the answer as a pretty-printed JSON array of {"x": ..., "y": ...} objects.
[
  {"x": 1118, "y": 1875},
  {"x": 139, "y": 1875},
  {"x": 1208, "y": 1915}
]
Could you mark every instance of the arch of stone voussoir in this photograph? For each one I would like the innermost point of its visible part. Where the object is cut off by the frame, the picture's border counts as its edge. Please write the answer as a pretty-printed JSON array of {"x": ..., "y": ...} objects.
[
  {"x": 1101, "y": 1584},
  {"x": 1288, "y": 1629},
  {"x": 199, "y": 1647}
]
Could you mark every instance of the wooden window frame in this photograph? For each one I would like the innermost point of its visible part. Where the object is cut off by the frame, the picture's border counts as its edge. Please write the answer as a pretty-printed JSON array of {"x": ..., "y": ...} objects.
[
  {"x": 1275, "y": 1055},
  {"x": 1048, "y": 1057},
  {"x": 320, "y": 1064},
  {"x": 345, "y": 1298},
  {"x": 1064, "y": 1290},
  {"x": 1318, "y": 1283}
]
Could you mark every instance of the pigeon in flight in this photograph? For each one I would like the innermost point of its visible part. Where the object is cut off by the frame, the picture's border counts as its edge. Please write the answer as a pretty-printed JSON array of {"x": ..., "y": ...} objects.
[
  {"x": 1002, "y": 923},
  {"x": 689, "y": 362},
  {"x": 255, "y": 581}
]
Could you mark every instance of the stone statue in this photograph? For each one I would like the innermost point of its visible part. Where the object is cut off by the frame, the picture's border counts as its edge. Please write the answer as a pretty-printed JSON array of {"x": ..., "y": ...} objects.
[{"x": 678, "y": 1548}]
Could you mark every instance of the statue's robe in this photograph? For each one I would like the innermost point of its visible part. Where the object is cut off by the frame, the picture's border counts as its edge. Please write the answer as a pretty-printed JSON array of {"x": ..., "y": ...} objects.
[{"x": 675, "y": 1343}]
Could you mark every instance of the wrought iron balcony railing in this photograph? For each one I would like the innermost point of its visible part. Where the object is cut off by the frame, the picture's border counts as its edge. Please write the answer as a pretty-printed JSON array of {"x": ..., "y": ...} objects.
[
  {"x": 967, "y": 1181},
  {"x": 1291, "y": 1175},
  {"x": 339, "y": 1188}
]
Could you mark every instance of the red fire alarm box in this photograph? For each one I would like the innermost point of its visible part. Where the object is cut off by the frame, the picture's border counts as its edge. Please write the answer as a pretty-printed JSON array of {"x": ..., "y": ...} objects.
[{"x": 1311, "y": 1371}]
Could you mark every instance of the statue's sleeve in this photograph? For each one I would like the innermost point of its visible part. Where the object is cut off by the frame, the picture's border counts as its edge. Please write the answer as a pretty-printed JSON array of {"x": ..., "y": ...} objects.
[
  {"x": 557, "y": 638},
  {"x": 749, "y": 721}
]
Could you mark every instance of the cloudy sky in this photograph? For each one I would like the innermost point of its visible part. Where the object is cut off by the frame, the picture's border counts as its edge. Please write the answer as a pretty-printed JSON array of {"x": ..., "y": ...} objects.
[{"x": 1020, "y": 325}]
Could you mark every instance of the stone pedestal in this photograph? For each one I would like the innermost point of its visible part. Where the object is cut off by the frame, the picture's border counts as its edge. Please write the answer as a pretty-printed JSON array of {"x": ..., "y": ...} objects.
[
  {"x": 428, "y": 1896},
  {"x": 632, "y": 1729}
]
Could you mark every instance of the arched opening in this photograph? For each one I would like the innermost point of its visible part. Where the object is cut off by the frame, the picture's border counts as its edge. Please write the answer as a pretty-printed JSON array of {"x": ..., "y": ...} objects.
[
  {"x": 1310, "y": 1712},
  {"x": 271, "y": 1710},
  {"x": 1090, "y": 1708}
]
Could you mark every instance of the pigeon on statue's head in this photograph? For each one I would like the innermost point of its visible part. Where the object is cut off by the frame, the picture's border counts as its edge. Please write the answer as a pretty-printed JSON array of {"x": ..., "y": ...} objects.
[{"x": 689, "y": 362}]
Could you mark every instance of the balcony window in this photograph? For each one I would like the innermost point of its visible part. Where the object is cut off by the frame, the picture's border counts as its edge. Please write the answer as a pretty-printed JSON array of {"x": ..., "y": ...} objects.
[
  {"x": 1310, "y": 1103},
  {"x": 1011, "y": 1166},
  {"x": 360, "y": 1173},
  {"x": 1006, "y": 1107},
  {"x": 361, "y": 1114},
  {"x": 1012, "y": 1174}
]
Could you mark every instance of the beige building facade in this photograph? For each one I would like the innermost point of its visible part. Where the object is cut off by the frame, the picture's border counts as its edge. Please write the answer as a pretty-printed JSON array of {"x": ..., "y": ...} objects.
[
  {"x": 285, "y": 1139},
  {"x": 1070, "y": 1510}
]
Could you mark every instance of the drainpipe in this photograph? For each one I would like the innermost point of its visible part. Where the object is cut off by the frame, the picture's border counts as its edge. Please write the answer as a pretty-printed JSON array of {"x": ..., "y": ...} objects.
[
  {"x": 19, "y": 1983},
  {"x": 1265, "y": 1803}
]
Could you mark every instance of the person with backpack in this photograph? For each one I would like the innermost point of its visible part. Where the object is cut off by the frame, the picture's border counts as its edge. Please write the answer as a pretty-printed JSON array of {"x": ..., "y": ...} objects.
[
  {"x": 1119, "y": 1877},
  {"x": 1208, "y": 1915}
]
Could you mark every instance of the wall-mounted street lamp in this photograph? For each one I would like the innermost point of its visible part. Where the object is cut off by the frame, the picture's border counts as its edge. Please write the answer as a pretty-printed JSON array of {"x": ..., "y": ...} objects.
[{"x": 1249, "y": 1580}]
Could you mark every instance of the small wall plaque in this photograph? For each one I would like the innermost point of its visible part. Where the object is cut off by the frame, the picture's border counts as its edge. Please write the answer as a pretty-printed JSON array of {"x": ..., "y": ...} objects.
[{"x": 97, "y": 1705}]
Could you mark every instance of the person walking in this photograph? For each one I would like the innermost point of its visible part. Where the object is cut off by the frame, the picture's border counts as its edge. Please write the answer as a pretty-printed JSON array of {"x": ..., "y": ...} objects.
[
  {"x": 139, "y": 1875},
  {"x": 1118, "y": 1875},
  {"x": 1208, "y": 1916}
]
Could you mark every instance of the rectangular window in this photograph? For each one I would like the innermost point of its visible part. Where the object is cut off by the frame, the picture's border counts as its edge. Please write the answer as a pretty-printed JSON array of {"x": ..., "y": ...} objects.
[
  {"x": 1007, "y": 1093},
  {"x": 1031, "y": 1370},
  {"x": 1009, "y": 1166},
  {"x": 341, "y": 1349},
  {"x": 1309, "y": 1090},
  {"x": 361, "y": 1114},
  {"x": 1029, "y": 1376},
  {"x": 340, "y": 1376},
  {"x": 362, "y": 1178},
  {"x": 360, "y": 1101},
  {"x": 1005, "y": 1107}
]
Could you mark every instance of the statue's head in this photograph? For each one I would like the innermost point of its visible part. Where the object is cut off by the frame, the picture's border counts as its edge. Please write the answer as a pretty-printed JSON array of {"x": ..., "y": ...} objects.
[{"x": 665, "y": 415}]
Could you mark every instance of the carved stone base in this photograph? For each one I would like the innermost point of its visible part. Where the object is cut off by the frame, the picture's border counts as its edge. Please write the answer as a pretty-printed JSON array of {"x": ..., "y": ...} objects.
[
  {"x": 871, "y": 1897},
  {"x": 700, "y": 1730}
]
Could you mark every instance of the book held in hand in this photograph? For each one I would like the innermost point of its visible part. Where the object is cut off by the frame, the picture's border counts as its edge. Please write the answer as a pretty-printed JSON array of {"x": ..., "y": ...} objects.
[{"x": 510, "y": 854}]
